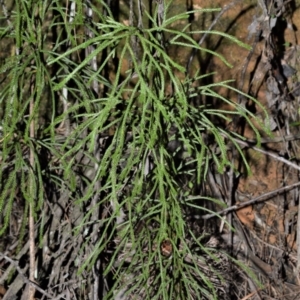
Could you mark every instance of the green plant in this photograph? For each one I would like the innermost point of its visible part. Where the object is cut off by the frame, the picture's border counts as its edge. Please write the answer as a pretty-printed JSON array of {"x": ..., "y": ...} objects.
[{"x": 114, "y": 159}]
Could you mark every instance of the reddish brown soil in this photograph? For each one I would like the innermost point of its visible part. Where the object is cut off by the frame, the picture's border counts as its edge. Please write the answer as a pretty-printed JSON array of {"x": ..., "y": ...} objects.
[{"x": 272, "y": 223}]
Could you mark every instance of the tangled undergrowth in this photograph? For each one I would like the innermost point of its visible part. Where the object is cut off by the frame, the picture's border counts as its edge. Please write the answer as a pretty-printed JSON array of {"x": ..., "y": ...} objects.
[{"x": 122, "y": 162}]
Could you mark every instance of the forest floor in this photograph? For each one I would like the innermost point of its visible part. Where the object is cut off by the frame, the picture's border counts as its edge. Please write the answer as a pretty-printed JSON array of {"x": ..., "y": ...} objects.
[
  {"x": 271, "y": 224},
  {"x": 267, "y": 173}
]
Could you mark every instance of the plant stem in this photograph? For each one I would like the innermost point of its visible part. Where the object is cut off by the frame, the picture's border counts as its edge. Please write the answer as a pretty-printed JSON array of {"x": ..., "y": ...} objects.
[{"x": 31, "y": 208}]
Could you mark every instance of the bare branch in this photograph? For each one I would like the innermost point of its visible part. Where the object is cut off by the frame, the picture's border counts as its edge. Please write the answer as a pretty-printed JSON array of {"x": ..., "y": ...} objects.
[
  {"x": 260, "y": 198},
  {"x": 25, "y": 279}
]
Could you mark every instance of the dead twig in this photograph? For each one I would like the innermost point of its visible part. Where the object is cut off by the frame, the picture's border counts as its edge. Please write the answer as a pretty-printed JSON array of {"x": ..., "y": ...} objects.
[
  {"x": 261, "y": 198},
  {"x": 269, "y": 153},
  {"x": 31, "y": 222},
  {"x": 278, "y": 139},
  {"x": 298, "y": 240},
  {"x": 25, "y": 279},
  {"x": 249, "y": 296}
]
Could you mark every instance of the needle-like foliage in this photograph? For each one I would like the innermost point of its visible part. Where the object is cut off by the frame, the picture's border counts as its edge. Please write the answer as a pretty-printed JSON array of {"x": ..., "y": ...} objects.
[{"x": 124, "y": 138}]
